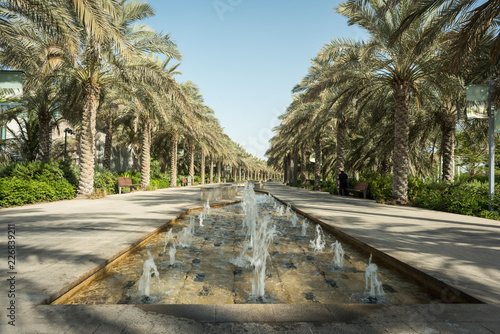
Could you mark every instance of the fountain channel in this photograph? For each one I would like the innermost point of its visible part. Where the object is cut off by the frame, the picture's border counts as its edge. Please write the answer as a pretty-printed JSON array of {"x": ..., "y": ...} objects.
[{"x": 257, "y": 251}]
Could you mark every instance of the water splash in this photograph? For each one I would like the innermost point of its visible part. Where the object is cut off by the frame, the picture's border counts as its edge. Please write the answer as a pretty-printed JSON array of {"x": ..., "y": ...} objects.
[
  {"x": 371, "y": 281},
  {"x": 148, "y": 269},
  {"x": 171, "y": 253},
  {"x": 186, "y": 236},
  {"x": 206, "y": 209},
  {"x": 249, "y": 205},
  {"x": 168, "y": 237},
  {"x": 304, "y": 227},
  {"x": 201, "y": 217},
  {"x": 263, "y": 236},
  {"x": 318, "y": 244},
  {"x": 338, "y": 254},
  {"x": 294, "y": 219},
  {"x": 288, "y": 210}
]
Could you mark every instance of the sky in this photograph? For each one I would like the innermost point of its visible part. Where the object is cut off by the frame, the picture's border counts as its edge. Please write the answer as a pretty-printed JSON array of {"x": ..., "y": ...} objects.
[{"x": 247, "y": 55}]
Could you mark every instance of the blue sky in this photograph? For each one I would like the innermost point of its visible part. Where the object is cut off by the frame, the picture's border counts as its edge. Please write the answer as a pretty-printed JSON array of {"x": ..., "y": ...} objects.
[{"x": 247, "y": 55}]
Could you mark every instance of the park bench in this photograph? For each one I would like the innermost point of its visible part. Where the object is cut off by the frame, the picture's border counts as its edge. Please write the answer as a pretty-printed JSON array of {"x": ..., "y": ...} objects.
[
  {"x": 360, "y": 187},
  {"x": 184, "y": 182},
  {"x": 125, "y": 182}
]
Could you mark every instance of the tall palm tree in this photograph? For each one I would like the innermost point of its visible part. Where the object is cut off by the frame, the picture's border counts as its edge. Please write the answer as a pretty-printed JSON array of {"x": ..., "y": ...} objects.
[{"x": 402, "y": 66}]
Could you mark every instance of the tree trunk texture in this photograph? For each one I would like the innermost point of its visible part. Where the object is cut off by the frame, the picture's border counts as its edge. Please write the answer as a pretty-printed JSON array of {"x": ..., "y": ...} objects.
[
  {"x": 448, "y": 149},
  {"x": 317, "y": 163},
  {"x": 239, "y": 168},
  {"x": 341, "y": 142},
  {"x": 146, "y": 154},
  {"x": 303, "y": 166},
  {"x": 202, "y": 168},
  {"x": 108, "y": 144},
  {"x": 219, "y": 171},
  {"x": 285, "y": 169},
  {"x": 295, "y": 168},
  {"x": 191, "y": 163},
  {"x": 44, "y": 131},
  {"x": 401, "y": 133},
  {"x": 290, "y": 170},
  {"x": 211, "y": 170},
  {"x": 91, "y": 103},
  {"x": 173, "y": 161}
]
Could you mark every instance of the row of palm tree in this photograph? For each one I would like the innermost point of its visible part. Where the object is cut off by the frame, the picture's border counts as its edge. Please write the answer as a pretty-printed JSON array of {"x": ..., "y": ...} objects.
[
  {"x": 390, "y": 103},
  {"x": 99, "y": 67}
]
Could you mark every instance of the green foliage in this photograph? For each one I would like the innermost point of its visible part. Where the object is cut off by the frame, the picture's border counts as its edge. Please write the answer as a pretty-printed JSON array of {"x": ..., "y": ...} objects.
[
  {"x": 33, "y": 171},
  {"x": 159, "y": 183},
  {"x": 105, "y": 180},
  {"x": 329, "y": 185},
  {"x": 464, "y": 196},
  {"x": 15, "y": 191},
  {"x": 134, "y": 176},
  {"x": 379, "y": 186},
  {"x": 71, "y": 172}
]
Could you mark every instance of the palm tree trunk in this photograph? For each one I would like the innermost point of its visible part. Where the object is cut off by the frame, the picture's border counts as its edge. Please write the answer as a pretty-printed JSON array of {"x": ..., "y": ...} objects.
[
  {"x": 145, "y": 154},
  {"x": 448, "y": 148},
  {"x": 191, "y": 163},
  {"x": 173, "y": 161},
  {"x": 202, "y": 167},
  {"x": 295, "y": 168},
  {"x": 108, "y": 144},
  {"x": 239, "y": 169},
  {"x": 219, "y": 167},
  {"x": 401, "y": 133},
  {"x": 303, "y": 165},
  {"x": 90, "y": 105},
  {"x": 290, "y": 170},
  {"x": 285, "y": 168},
  {"x": 317, "y": 163},
  {"x": 211, "y": 169},
  {"x": 341, "y": 141},
  {"x": 44, "y": 135}
]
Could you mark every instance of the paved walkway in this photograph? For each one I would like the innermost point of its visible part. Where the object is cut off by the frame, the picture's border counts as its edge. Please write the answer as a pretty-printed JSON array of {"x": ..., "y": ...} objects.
[{"x": 62, "y": 242}]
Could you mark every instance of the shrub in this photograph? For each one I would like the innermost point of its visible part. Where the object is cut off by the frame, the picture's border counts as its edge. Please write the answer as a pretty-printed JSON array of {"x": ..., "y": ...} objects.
[
  {"x": 15, "y": 191},
  {"x": 159, "y": 183},
  {"x": 379, "y": 186},
  {"x": 329, "y": 185},
  {"x": 105, "y": 180},
  {"x": 70, "y": 171},
  {"x": 34, "y": 171}
]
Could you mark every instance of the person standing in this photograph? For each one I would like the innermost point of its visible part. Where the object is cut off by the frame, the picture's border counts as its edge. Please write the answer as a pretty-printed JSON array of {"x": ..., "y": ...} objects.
[{"x": 343, "y": 184}]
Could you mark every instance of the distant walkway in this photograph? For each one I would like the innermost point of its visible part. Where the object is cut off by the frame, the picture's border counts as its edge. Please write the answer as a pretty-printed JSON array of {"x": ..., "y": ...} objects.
[{"x": 460, "y": 250}]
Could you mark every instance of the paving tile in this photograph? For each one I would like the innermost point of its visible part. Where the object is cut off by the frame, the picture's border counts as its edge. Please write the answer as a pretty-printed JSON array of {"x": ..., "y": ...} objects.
[{"x": 245, "y": 313}]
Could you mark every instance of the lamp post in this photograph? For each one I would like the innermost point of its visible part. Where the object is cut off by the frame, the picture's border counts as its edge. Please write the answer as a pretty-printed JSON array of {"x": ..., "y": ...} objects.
[
  {"x": 66, "y": 131},
  {"x": 478, "y": 99}
]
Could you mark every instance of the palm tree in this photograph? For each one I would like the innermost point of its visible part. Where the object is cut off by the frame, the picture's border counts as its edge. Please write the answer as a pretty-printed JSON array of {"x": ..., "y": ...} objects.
[
  {"x": 475, "y": 22},
  {"x": 402, "y": 66}
]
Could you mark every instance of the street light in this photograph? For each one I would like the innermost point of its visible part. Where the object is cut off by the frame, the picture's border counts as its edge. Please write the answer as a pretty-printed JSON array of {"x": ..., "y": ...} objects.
[{"x": 66, "y": 131}]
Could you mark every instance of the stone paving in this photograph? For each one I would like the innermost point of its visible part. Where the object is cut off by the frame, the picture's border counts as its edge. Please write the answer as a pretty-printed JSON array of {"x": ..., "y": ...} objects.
[{"x": 61, "y": 243}]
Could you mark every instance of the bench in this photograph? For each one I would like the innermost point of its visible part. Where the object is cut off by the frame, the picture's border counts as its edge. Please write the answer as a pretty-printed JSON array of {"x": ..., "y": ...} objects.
[
  {"x": 360, "y": 187},
  {"x": 184, "y": 181},
  {"x": 125, "y": 182}
]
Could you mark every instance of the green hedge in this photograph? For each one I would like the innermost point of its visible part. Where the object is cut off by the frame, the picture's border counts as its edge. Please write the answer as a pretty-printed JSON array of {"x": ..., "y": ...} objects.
[
  {"x": 15, "y": 191},
  {"x": 464, "y": 196}
]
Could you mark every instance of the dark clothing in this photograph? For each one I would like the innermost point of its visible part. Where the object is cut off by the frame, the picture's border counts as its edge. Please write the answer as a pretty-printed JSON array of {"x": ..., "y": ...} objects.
[{"x": 343, "y": 184}]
